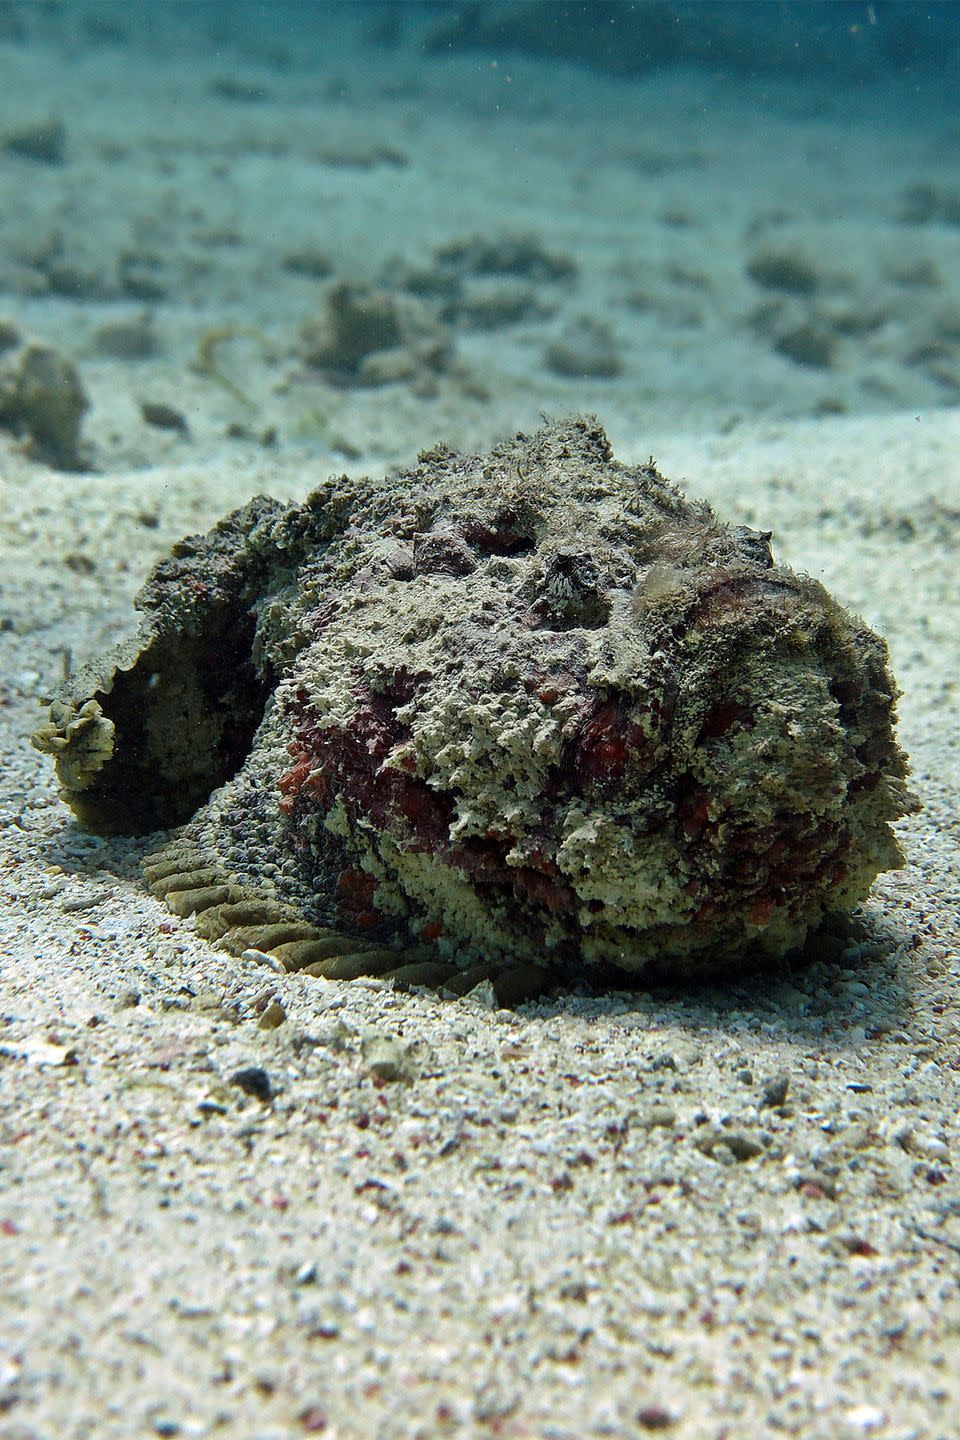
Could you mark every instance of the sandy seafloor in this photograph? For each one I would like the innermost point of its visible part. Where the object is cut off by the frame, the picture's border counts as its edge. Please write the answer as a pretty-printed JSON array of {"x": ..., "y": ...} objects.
[{"x": 527, "y": 1237}]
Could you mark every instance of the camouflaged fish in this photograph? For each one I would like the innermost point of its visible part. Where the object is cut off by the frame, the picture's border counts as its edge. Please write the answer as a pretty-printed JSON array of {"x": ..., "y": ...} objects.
[{"x": 509, "y": 717}]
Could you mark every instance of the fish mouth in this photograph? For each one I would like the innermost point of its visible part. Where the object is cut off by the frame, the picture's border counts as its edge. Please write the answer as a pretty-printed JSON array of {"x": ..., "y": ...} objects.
[{"x": 143, "y": 743}]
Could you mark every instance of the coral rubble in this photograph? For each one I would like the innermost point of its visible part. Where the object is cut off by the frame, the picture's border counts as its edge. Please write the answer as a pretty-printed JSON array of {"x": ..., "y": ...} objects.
[
  {"x": 42, "y": 395},
  {"x": 372, "y": 337}
]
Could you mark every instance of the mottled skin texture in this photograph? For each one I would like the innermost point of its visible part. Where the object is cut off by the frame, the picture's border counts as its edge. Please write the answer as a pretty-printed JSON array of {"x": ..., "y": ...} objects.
[{"x": 526, "y": 707}]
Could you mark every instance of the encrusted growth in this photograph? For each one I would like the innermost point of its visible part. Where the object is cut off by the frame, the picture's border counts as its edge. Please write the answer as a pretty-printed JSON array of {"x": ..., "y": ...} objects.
[{"x": 530, "y": 708}]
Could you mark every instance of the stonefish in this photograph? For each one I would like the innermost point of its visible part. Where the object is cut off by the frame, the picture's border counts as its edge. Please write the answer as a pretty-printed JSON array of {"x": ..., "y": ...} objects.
[{"x": 524, "y": 714}]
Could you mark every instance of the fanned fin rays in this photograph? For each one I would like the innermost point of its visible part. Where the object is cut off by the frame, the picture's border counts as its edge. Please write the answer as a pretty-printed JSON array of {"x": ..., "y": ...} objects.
[{"x": 233, "y": 917}]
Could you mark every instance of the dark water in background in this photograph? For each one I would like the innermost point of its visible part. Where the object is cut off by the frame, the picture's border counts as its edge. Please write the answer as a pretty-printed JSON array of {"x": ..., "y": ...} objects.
[
  {"x": 818, "y": 273},
  {"x": 850, "y": 39}
]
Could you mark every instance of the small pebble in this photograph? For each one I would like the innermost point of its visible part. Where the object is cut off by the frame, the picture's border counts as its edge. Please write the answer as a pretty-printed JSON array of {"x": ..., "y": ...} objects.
[
  {"x": 654, "y": 1417},
  {"x": 719, "y": 1144},
  {"x": 926, "y": 1147},
  {"x": 660, "y": 1116},
  {"x": 273, "y": 1016},
  {"x": 775, "y": 1090},
  {"x": 211, "y": 1106},
  {"x": 313, "y": 1420},
  {"x": 253, "y": 1080},
  {"x": 721, "y": 1153},
  {"x": 865, "y": 1418},
  {"x": 260, "y": 957},
  {"x": 206, "y": 1001},
  {"x": 386, "y": 1058},
  {"x": 163, "y": 417},
  {"x": 85, "y": 901}
]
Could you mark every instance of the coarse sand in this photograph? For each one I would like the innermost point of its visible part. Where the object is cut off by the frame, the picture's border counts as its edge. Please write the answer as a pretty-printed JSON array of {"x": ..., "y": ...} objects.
[{"x": 728, "y": 1211}]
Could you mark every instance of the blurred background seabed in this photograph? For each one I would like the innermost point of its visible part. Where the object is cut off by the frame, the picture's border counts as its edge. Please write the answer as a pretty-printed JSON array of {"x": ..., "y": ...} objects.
[{"x": 355, "y": 227}]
